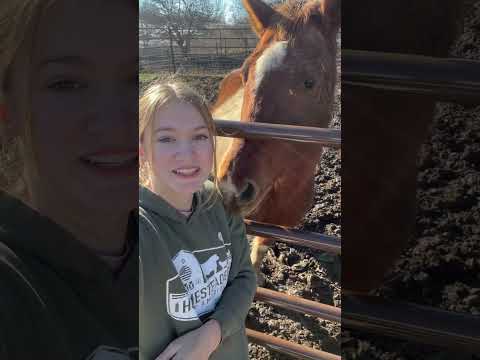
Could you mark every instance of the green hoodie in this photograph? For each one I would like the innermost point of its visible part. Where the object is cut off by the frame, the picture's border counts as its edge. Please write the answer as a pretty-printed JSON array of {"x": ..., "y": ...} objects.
[
  {"x": 192, "y": 270},
  {"x": 58, "y": 300}
]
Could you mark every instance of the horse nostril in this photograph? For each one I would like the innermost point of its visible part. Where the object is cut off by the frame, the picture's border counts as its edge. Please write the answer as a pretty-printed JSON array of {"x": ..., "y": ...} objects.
[{"x": 248, "y": 192}]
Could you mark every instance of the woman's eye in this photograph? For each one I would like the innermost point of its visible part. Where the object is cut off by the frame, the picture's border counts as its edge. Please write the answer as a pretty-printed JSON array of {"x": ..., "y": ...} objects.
[
  {"x": 65, "y": 85},
  {"x": 201, "y": 137},
  {"x": 166, "y": 140}
]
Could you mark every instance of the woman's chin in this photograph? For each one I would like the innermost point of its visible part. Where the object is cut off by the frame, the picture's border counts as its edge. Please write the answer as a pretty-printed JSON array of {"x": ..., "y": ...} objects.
[{"x": 188, "y": 189}]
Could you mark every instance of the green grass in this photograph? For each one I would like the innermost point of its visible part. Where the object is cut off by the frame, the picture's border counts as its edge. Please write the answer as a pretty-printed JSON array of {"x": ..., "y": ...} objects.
[{"x": 147, "y": 77}]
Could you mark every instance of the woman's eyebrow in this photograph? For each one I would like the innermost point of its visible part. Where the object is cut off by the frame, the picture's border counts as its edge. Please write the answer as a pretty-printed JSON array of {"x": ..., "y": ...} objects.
[
  {"x": 164, "y": 129},
  {"x": 64, "y": 60},
  {"x": 202, "y": 127}
]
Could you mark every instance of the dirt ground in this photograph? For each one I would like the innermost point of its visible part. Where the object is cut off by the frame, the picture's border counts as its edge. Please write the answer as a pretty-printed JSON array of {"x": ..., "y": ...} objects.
[{"x": 441, "y": 268}]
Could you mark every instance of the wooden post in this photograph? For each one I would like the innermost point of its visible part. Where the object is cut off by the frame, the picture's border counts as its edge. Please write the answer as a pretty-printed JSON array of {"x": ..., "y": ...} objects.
[{"x": 171, "y": 51}]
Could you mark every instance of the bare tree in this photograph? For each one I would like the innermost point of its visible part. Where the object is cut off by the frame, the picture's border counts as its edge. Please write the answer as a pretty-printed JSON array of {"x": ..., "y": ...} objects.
[
  {"x": 238, "y": 14},
  {"x": 180, "y": 19}
]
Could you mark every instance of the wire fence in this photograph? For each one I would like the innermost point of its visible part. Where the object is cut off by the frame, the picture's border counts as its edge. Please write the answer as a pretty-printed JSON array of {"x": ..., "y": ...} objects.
[{"x": 213, "y": 49}]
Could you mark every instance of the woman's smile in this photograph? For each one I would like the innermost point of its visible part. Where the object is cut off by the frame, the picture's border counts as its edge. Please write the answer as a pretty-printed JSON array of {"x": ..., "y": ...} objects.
[{"x": 187, "y": 172}]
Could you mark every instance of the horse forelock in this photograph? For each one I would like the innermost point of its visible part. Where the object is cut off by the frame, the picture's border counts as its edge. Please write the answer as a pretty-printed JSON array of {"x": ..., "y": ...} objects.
[{"x": 293, "y": 16}]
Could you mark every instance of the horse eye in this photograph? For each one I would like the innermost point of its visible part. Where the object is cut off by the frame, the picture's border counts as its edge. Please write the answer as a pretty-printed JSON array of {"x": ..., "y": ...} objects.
[{"x": 308, "y": 84}]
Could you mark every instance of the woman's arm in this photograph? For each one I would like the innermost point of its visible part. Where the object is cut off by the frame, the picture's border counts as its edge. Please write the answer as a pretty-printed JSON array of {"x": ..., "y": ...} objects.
[{"x": 197, "y": 344}]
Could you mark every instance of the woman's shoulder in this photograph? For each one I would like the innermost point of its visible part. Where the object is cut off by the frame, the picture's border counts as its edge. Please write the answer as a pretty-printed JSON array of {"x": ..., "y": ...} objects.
[
  {"x": 25, "y": 310},
  {"x": 20, "y": 292}
]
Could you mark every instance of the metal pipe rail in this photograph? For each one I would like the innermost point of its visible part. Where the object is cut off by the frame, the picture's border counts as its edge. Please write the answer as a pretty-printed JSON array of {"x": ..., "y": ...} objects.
[
  {"x": 443, "y": 78},
  {"x": 312, "y": 240},
  {"x": 295, "y": 303},
  {"x": 323, "y": 136},
  {"x": 294, "y": 350},
  {"x": 412, "y": 322},
  {"x": 210, "y": 28}
]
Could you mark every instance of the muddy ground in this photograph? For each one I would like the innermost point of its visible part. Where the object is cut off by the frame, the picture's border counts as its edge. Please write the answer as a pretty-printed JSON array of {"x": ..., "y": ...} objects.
[{"x": 441, "y": 268}]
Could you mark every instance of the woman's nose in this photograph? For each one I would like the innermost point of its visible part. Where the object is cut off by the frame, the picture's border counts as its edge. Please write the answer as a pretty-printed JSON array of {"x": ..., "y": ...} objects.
[{"x": 184, "y": 149}]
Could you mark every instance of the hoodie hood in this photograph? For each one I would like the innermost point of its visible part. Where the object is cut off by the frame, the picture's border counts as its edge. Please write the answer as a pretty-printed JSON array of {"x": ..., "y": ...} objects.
[
  {"x": 26, "y": 230},
  {"x": 156, "y": 204}
]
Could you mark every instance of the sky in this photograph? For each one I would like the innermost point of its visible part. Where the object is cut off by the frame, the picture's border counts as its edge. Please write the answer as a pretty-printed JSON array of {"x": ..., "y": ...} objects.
[{"x": 227, "y": 8}]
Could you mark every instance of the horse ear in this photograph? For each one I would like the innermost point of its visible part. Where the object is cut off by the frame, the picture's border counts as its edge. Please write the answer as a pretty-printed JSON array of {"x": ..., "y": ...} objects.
[
  {"x": 327, "y": 15},
  {"x": 259, "y": 13}
]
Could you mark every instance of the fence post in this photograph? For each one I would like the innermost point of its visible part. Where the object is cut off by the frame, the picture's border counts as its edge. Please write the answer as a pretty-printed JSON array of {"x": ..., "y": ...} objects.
[
  {"x": 220, "y": 33},
  {"x": 171, "y": 51}
]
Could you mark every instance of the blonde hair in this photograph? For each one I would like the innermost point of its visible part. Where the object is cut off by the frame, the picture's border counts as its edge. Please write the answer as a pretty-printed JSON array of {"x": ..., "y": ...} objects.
[
  {"x": 18, "y": 21},
  {"x": 161, "y": 94}
]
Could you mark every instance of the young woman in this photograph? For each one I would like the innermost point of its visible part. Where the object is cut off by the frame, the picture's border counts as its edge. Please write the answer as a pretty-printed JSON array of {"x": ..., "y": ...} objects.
[
  {"x": 196, "y": 279},
  {"x": 68, "y": 239}
]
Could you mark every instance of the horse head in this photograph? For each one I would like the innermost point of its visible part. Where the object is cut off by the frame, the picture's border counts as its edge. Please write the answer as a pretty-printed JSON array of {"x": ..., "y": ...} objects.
[{"x": 289, "y": 78}]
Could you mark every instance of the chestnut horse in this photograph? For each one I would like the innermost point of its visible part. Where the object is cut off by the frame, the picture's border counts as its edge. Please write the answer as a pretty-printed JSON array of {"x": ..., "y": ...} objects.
[
  {"x": 288, "y": 79},
  {"x": 382, "y": 133}
]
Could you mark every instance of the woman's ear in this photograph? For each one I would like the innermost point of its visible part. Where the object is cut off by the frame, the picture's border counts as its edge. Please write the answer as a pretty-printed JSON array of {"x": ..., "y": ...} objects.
[{"x": 141, "y": 151}]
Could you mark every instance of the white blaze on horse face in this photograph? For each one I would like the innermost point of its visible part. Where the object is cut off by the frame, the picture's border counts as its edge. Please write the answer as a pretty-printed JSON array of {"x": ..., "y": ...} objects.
[
  {"x": 271, "y": 59},
  {"x": 229, "y": 110}
]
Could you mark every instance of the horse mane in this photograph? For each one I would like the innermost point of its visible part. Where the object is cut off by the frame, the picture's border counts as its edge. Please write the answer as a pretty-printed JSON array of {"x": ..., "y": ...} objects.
[{"x": 292, "y": 17}]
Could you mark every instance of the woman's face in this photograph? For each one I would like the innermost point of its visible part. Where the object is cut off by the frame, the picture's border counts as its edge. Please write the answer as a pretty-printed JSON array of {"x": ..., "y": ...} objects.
[
  {"x": 181, "y": 150},
  {"x": 84, "y": 98}
]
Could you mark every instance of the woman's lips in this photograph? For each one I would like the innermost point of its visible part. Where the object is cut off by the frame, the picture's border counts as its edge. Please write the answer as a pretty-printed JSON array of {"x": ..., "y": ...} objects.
[
  {"x": 112, "y": 162},
  {"x": 187, "y": 172}
]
